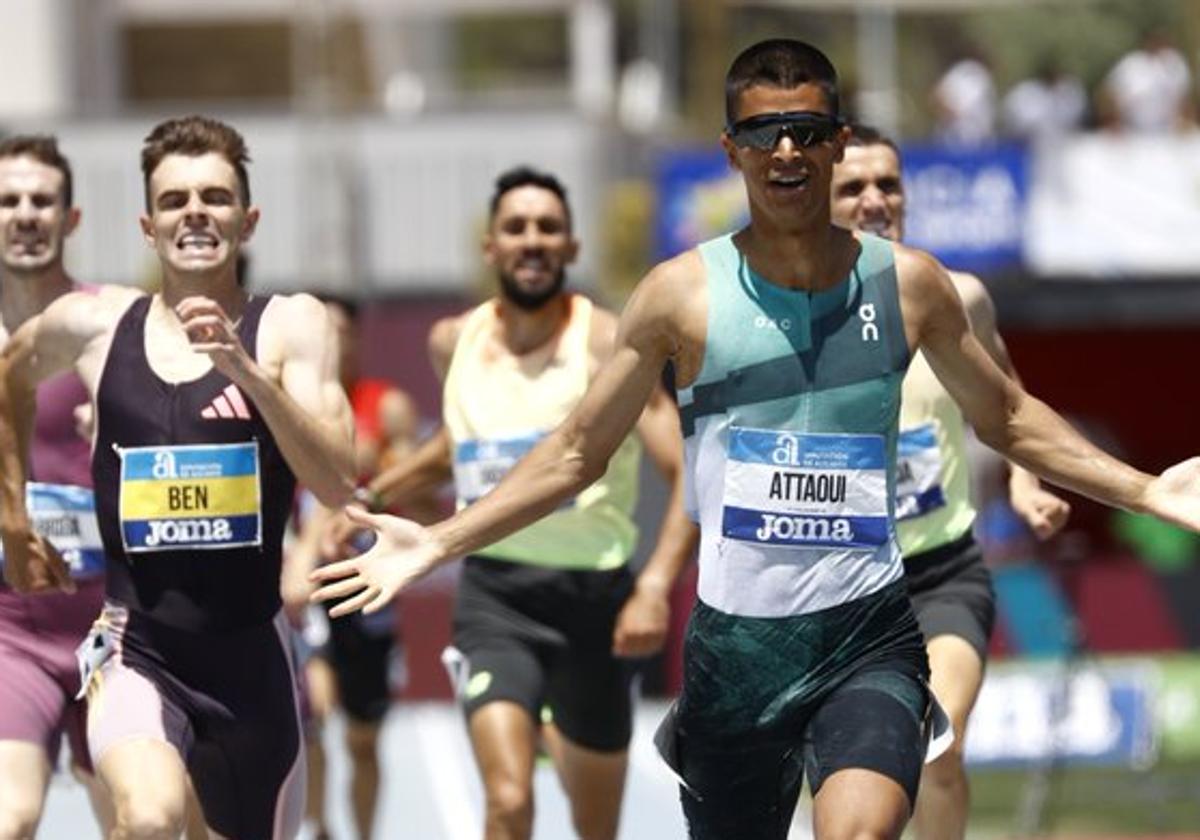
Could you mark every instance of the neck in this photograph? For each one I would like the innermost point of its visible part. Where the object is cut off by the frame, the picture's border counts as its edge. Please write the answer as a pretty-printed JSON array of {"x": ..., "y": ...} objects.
[
  {"x": 22, "y": 296},
  {"x": 810, "y": 257},
  {"x": 523, "y": 330},
  {"x": 220, "y": 286}
]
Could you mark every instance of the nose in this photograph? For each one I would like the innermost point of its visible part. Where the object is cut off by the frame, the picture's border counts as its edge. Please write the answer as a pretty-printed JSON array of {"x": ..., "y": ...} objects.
[
  {"x": 786, "y": 147},
  {"x": 531, "y": 237},
  {"x": 872, "y": 199},
  {"x": 26, "y": 213},
  {"x": 194, "y": 210}
]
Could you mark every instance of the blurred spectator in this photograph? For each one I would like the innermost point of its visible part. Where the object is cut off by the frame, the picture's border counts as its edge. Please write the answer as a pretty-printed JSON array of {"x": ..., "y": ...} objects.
[
  {"x": 1148, "y": 90},
  {"x": 1050, "y": 104},
  {"x": 964, "y": 101}
]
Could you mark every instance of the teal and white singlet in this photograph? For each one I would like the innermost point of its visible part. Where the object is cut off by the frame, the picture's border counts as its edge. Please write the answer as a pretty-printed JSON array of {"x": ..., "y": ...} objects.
[{"x": 790, "y": 436}]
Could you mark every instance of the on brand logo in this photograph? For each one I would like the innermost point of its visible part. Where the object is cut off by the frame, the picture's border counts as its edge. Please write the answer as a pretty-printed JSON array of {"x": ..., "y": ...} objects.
[{"x": 870, "y": 330}]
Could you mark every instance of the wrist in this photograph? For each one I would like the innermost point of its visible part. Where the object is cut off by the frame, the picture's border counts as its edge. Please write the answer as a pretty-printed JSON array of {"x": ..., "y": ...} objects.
[
  {"x": 368, "y": 498},
  {"x": 652, "y": 583}
]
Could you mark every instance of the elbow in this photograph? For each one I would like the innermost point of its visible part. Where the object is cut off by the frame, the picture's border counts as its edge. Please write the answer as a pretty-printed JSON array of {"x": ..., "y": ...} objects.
[{"x": 584, "y": 472}]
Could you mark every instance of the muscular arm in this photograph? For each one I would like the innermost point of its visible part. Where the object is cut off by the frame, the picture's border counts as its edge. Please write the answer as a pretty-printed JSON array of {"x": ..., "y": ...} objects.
[
  {"x": 62, "y": 337},
  {"x": 1043, "y": 511},
  {"x": 1005, "y": 417},
  {"x": 296, "y": 389}
]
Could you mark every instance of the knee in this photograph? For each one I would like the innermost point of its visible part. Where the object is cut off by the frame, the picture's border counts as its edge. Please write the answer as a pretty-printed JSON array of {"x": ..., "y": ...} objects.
[
  {"x": 595, "y": 827},
  {"x": 948, "y": 771},
  {"x": 510, "y": 802},
  {"x": 146, "y": 817},
  {"x": 362, "y": 742}
]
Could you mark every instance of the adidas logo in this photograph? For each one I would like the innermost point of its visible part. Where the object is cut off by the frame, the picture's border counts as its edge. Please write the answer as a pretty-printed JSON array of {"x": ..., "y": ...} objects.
[{"x": 228, "y": 405}]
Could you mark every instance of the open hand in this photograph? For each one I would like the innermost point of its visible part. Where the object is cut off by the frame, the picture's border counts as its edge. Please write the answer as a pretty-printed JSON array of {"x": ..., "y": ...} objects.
[
  {"x": 1174, "y": 496},
  {"x": 403, "y": 552}
]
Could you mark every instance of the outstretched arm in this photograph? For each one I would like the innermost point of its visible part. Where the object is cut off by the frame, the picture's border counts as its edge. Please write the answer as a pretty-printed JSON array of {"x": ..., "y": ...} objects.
[
  {"x": 1044, "y": 512},
  {"x": 1019, "y": 426},
  {"x": 569, "y": 459}
]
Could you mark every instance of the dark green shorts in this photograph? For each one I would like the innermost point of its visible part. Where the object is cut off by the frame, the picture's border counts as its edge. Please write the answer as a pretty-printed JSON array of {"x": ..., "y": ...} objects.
[{"x": 767, "y": 700}]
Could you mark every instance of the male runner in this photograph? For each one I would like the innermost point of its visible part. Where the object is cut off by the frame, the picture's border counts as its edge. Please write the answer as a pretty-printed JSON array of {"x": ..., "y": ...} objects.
[
  {"x": 790, "y": 339},
  {"x": 949, "y": 584},
  {"x": 209, "y": 404},
  {"x": 38, "y": 634},
  {"x": 543, "y": 618}
]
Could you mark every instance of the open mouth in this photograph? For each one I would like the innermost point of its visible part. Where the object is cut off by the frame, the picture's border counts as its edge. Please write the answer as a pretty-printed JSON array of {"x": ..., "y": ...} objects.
[
  {"x": 879, "y": 227},
  {"x": 789, "y": 181},
  {"x": 196, "y": 242}
]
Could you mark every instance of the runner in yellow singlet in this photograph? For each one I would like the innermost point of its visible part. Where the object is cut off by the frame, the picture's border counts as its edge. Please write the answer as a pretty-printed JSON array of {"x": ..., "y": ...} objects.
[
  {"x": 548, "y": 616},
  {"x": 950, "y": 586}
]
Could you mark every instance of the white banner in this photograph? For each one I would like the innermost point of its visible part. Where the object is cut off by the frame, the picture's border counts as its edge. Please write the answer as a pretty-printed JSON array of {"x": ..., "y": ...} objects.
[{"x": 1115, "y": 206}]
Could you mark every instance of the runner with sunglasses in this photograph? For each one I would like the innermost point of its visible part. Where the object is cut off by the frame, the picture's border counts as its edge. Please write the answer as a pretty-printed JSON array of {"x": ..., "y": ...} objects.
[
  {"x": 950, "y": 586},
  {"x": 790, "y": 340}
]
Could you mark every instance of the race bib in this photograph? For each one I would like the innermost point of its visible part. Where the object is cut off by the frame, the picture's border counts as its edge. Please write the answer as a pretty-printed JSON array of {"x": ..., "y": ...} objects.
[
  {"x": 66, "y": 516},
  {"x": 176, "y": 498},
  {"x": 805, "y": 490},
  {"x": 479, "y": 465},
  {"x": 918, "y": 473}
]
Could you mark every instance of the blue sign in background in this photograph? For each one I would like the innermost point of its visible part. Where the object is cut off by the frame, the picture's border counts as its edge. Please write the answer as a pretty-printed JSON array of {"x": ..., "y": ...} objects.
[
  {"x": 966, "y": 206},
  {"x": 699, "y": 197}
]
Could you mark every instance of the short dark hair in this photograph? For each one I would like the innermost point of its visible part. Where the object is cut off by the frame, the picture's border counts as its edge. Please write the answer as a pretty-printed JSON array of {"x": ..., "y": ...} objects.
[
  {"x": 780, "y": 63},
  {"x": 865, "y": 135},
  {"x": 527, "y": 176},
  {"x": 44, "y": 149},
  {"x": 195, "y": 136}
]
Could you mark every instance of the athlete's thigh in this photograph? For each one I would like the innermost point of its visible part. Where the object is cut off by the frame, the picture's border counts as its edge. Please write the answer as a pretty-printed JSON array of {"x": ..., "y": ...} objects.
[
  {"x": 32, "y": 703},
  {"x": 956, "y": 674},
  {"x": 24, "y": 774},
  {"x": 747, "y": 792},
  {"x": 875, "y": 720},
  {"x": 590, "y": 694},
  {"x": 145, "y": 772}
]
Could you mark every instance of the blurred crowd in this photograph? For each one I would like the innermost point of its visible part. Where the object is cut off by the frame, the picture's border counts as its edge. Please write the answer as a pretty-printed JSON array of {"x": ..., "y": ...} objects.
[{"x": 1146, "y": 91}]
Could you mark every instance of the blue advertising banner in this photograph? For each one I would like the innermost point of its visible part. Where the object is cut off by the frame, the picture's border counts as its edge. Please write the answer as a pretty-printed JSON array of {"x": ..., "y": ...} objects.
[
  {"x": 1099, "y": 714},
  {"x": 967, "y": 206},
  {"x": 699, "y": 197}
]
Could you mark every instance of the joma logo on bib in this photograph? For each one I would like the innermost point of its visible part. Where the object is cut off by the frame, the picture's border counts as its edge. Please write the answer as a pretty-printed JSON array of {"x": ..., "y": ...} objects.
[
  {"x": 175, "y": 531},
  {"x": 804, "y": 529}
]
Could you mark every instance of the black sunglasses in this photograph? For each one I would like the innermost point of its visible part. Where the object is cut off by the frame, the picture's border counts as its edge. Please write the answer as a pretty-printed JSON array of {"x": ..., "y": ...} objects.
[{"x": 806, "y": 128}]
